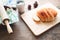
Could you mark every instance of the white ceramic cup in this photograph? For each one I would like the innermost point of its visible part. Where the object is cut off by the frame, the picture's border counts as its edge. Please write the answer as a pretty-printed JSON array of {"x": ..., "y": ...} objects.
[{"x": 21, "y": 7}]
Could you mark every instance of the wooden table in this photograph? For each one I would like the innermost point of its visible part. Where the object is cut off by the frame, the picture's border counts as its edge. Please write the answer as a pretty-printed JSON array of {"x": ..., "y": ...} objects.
[{"x": 22, "y": 32}]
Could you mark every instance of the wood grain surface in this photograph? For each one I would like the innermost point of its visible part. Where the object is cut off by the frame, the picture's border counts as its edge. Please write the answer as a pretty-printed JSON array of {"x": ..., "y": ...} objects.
[{"x": 39, "y": 28}]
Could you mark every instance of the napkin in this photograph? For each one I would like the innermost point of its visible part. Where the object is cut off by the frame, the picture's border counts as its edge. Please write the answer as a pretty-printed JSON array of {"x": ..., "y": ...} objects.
[{"x": 13, "y": 16}]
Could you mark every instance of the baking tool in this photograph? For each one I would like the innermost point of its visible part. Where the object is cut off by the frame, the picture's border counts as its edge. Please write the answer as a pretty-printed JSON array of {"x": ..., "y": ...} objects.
[{"x": 5, "y": 18}]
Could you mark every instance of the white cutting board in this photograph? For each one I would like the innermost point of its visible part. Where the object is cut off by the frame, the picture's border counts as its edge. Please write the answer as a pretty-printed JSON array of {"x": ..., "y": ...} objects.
[{"x": 36, "y": 28}]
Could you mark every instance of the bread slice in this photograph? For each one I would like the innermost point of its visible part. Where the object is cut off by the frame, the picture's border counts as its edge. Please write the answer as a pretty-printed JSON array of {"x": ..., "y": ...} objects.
[{"x": 36, "y": 18}]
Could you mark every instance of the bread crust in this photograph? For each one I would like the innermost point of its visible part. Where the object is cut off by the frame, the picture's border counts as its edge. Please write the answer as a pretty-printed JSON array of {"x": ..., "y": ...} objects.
[
  {"x": 46, "y": 14},
  {"x": 53, "y": 12},
  {"x": 41, "y": 15}
]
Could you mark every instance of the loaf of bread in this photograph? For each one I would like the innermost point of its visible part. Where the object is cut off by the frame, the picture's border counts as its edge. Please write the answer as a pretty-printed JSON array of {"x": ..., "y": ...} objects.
[{"x": 46, "y": 14}]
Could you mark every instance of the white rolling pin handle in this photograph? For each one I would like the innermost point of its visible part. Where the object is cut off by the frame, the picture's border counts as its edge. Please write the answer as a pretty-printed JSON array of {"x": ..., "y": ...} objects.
[
  {"x": 3, "y": 13},
  {"x": 5, "y": 18},
  {"x": 9, "y": 29}
]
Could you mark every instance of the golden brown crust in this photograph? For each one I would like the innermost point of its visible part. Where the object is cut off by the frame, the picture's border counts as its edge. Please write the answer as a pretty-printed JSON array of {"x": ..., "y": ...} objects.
[
  {"x": 49, "y": 16},
  {"x": 53, "y": 12},
  {"x": 46, "y": 14},
  {"x": 41, "y": 15}
]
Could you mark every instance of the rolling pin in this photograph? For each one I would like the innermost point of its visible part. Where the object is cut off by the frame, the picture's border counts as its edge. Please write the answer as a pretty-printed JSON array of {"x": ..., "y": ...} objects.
[{"x": 5, "y": 18}]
